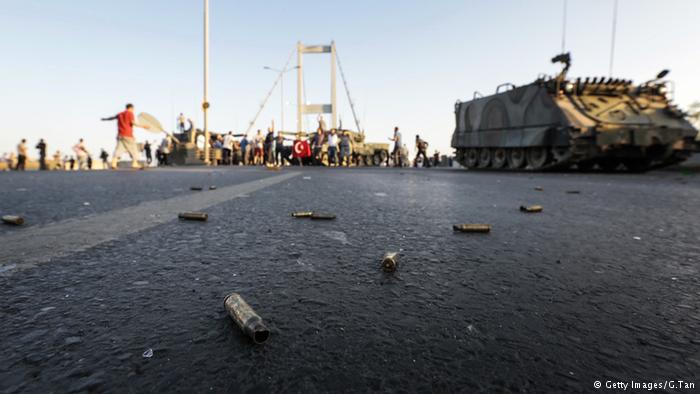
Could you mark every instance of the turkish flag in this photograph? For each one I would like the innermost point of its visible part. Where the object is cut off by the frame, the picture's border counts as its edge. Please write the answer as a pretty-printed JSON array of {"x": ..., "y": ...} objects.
[{"x": 301, "y": 149}]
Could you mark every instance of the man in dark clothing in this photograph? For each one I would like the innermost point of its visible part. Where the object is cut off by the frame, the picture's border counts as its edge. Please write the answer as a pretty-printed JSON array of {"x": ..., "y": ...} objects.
[
  {"x": 421, "y": 148},
  {"x": 147, "y": 149},
  {"x": 436, "y": 158},
  {"x": 345, "y": 149},
  {"x": 89, "y": 162},
  {"x": 279, "y": 149},
  {"x": 104, "y": 156},
  {"x": 270, "y": 147},
  {"x": 41, "y": 146}
]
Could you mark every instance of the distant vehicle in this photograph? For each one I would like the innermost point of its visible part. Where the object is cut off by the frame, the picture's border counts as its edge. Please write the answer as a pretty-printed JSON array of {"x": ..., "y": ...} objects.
[{"x": 558, "y": 123}]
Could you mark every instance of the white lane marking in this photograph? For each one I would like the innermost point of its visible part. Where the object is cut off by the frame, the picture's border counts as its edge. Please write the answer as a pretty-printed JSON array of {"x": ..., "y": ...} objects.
[{"x": 38, "y": 245}]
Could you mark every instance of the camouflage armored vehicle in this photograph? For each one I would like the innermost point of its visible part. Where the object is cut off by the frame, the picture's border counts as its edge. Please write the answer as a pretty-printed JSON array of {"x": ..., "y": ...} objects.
[
  {"x": 367, "y": 153},
  {"x": 557, "y": 123}
]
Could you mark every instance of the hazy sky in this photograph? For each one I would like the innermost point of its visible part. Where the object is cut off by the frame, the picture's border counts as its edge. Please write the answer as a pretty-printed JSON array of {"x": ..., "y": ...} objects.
[{"x": 65, "y": 64}]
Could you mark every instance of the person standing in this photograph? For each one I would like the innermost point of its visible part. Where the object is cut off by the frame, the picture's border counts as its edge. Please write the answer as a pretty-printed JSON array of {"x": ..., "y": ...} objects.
[
  {"x": 147, "y": 149},
  {"x": 103, "y": 156},
  {"x": 21, "y": 155},
  {"x": 421, "y": 149},
  {"x": 317, "y": 146},
  {"x": 396, "y": 153},
  {"x": 165, "y": 147},
  {"x": 81, "y": 153},
  {"x": 41, "y": 146},
  {"x": 258, "y": 158},
  {"x": 125, "y": 136},
  {"x": 333, "y": 148},
  {"x": 72, "y": 163},
  {"x": 244, "y": 149},
  {"x": 181, "y": 123},
  {"x": 279, "y": 149},
  {"x": 57, "y": 164},
  {"x": 345, "y": 149},
  {"x": 270, "y": 147},
  {"x": 228, "y": 149}
]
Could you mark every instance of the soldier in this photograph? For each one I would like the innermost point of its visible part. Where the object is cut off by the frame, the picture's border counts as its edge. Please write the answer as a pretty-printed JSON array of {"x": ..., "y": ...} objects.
[{"x": 421, "y": 148}]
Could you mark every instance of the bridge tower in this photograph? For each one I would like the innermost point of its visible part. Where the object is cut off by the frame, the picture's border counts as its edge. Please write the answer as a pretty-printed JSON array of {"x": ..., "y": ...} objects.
[{"x": 302, "y": 107}]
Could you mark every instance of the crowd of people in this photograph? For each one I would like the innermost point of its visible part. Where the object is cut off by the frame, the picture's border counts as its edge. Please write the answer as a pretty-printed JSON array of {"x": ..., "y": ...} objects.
[{"x": 331, "y": 147}]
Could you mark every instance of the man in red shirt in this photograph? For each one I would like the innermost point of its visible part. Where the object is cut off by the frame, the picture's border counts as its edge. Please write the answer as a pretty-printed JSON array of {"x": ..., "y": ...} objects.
[{"x": 125, "y": 137}]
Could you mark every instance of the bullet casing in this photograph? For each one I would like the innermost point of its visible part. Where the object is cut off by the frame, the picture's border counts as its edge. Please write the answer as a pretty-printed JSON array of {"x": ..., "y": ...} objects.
[
  {"x": 322, "y": 216},
  {"x": 539, "y": 188},
  {"x": 531, "y": 208},
  {"x": 472, "y": 228},
  {"x": 212, "y": 187},
  {"x": 13, "y": 219},
  {"x": 390, "y": 261},
  {"x": 196, "y": 188},
  {"x": 246, "y": 318},
  {"x": 302, "y": 214},
  {"x": 201, "y": 216}
]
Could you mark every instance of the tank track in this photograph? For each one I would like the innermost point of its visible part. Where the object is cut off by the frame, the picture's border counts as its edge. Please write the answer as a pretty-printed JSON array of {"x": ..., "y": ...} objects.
[{"x": 579, "y": 155}]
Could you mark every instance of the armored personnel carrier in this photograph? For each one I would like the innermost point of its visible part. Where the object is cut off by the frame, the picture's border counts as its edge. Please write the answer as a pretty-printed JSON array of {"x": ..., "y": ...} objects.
[{"x": 558, "y": 123}]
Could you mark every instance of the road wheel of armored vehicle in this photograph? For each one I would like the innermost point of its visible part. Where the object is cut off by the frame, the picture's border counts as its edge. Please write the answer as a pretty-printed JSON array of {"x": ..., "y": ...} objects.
[
  {"x": 636, "y": 165},
  {"x": 585, "y": 166},
  {"x": 368, "y": 161},
  {"x": 561, "y": 153},
  {"x": 499, "y": 158},
  {"x": 484, "y": 157},
  {"x": 377, "y": 159},
  {"x": 516, "y": 158},
  {"x": 608, "y": 164},
  {"x": 383, "y": 156},
  {"x": 537, "y": 157},
  {"x": 472, "y": 157}
]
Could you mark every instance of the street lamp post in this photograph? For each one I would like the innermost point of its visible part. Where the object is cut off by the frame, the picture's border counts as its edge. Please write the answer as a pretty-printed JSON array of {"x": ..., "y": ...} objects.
[
  {"x": 205, "y": 103},
  {"x": 281, "y": 72}
]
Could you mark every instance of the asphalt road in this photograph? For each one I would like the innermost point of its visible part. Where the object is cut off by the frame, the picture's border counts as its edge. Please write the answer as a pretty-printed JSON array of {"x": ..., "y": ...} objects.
[{"x": 601, "y": 286}]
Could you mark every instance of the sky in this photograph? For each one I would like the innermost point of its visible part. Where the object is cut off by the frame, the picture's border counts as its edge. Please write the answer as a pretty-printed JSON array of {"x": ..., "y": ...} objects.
[{"x": 66, "y": 64}]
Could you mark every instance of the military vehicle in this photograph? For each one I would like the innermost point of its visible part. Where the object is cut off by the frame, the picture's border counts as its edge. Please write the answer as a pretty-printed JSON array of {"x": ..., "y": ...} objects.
[
  {"x": 363, "y": 153},
  {"x": 558, "y": 123}
]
